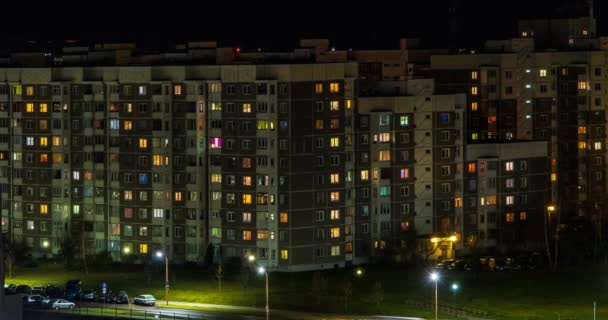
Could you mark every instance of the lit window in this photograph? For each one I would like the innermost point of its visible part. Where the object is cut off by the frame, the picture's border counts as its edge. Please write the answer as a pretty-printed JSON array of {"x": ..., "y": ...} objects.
[
  {"x": 44, "y": 158},
  {"x": 491, "y": 200},
  {"x": 44, "y": 141},
  {"x": 348, "y": 104},
  {"x": 216, "y": 106},
  {"x": 247, "y": 180},
  {"x": 582, "y": 130},
  {"x": 29, "y": 141},
  {"x": 404, "y": 173},
  {"x": 335, "y": 232},
  {"x": 523, "y": 216},
  {"x": 474, "y": 90},
  {"x": 472, "y": 167},
  {"x": 334, "y": 178},
  {"x": 364, "y": 175},
  {"x": 143, "y": 143},
  {"x": 178, "y": 196},
  {"x": 29, "y": 107},
  {"x": 542, "y": 73},
  {"x": 284, "y": 218},
  {"x": 404, "y": 121},
  {"x": 18, "y": 90},
  {"x": 265, "y": 125},
  {"x": 474, "y": 75},
  {"x": 246, "y": 107},
  {"x": 319, "y": 88},
  {"x": 129, "y": 107},
  {"x": 143, "y": 248},
  {"x": 157, "y": 160},
  {"x": 384, "y": 155},
  {"x": 553, "y": 176},
  {"x": 216, "y": 143},
  {"x": 141, "y": 90},
  {"x": 57, "y": 158},
  {"x": 29, "y": 90},
  {"x": 44, "y": 209},
  {"x": 128, "y": 125},
  {"x": 335, "y": 142},
  {"x": 30, "y": 225},
  {"x": 76, "y": 175},
  {"x": 334, "y": 87},
  {"x": 284, "y": 254},
  {"x": 247, "y": 235},
  {"x": 474, "y": 136},
  {"x": 335, "y": 251},
  {"x": 177, "y": 90},
  {"x": 319, "y": 124},
  {"x": 584, "y": 32},
  {"x": 582, "y": 85},
  {"x": 597, "y": 145},
  {"x": 334, "y": 196},
  {"x": 473, "y": 106},
  {"x": 510, "y": 200},
  {"x": 44, "y": 107},
  {"x": 246, "y": 198},
  {"x": 385, "y": 191},
  {"x": 56, "y": 141},
  {"x": 457, "y": 202},
  {"x": 334, "y": 105},
  {"x": 582, "y": 145},
  {"x": 510, "y": 217},
  {"x": 509, "y": 166},
  {"x": 76, "y": 209}
]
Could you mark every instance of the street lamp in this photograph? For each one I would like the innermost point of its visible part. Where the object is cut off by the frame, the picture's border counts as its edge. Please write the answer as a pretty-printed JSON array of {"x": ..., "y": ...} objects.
[
  {"x": 262, "y": 270},
  {"x": 159, "y": 254},
  {"x": 435, "y": 277},
  {"x": 359, "y": 272},
  {"x": 454, "y": 289},
  {"x": 251, "y": 258}
]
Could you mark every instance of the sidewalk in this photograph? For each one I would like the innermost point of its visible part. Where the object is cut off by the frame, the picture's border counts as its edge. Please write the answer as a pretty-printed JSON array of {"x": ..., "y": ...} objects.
[{"x": 287, "y": 313}]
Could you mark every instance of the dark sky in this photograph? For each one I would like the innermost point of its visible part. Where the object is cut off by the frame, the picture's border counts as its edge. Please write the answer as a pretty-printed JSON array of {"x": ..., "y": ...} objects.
[{"x": 356, "y": 24}]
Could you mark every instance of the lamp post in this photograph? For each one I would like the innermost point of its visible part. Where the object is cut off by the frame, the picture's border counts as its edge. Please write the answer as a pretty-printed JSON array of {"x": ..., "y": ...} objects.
[
  {"x": 435, "y": 278},
  {"x": 262, "y": 270},
  {"x": 359, "y": 272},
  {"x": 159, "y": 254},
  {"x": 550, "y": 210},
  {"x": 454, "y": 289}
]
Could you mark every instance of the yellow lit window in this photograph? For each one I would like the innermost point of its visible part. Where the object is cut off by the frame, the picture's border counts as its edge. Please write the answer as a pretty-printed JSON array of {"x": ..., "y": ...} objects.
[
  {"x": 384, "y": 155},
  {"x": 335, "y": 232},
  {"x": 472, "y": 167},
  {"x": 284, "y": 218},
  {"x": 334, "y": 196},
  {"x": 348, "y": 104},
  {"x": 491, "y": 119},
  {"x": 128, "y": 125},
  {"x": 44, "y": 124},
  {"x": 458, "y": 202},
  {"x": 178, "y": 196},
  {"x": 335, "y": 142},
  {"x": 584, "y": 32},
  {"x": 56, "y": 141},
  {"x": 491, "y": 200},
  {"x": 216, "y": 106},
  {"x": 319, "y": 124},
  {"x": 553, "y": 176},
  {"x": 44, "y": 209},
  {"x": 143, "y": 248},
  {"x": 474, "y": 75},
  {"x": 247, "y": 181},
  {"x": 247, "y": 235},
  {"x": 18, "y": 90},
  {"x": 597, "y": 145},
  {"x": 334, "y": 105},
  {"x": 246, "y": 107},
  {"x": 29, "y": 107},
  {"x": 284, "y": 254},
  {"x": 582, "y": 85},
  {"x": 474, "y": 136},
  {"x": 334, "y": 214},
  {"x": 246, "y": 198},
  {"x": 129, "y": 107},
  {"x": 44, "y": 107},
  {"x": 334, "y": 87},
  {"x": 523, "y": 216},
  {"x": 57, "y": 158},
  {"x": 44, "y": 158},
  {"x": 216, "y": 178},
  {"x": 474, "y": 90},
  {"x": 29, "y": 90},
  {"x": 265, "y": 125},
  {"x": 319, "y": 88},
  {"x": 542, "y": 73},
  {"x": 334, "y": 178},
  {"x": 88, "y": 175},
  {"x": 582, "y": 145},
  {"x": 143, "y": 143},
  {"x": 44, "y": 141},
  {"x": 177, "y": 90},
  {"x": 364, "y": 175},
  {"x": 157, "y": 160},
  {"x": 582, "y": 130},
  {"x": 482, "y": 201},
  {"x": 473, "y": 106},
  {"x": 510, "y": 217}
]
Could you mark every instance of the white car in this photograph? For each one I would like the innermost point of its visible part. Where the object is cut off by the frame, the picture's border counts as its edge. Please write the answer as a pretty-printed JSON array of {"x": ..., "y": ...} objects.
[
  {"x": 62, "y": 304},
  {"x": 145, "y": 300}
]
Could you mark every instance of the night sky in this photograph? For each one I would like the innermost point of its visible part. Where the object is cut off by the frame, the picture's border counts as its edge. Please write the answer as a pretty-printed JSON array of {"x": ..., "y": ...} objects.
[{"x": 278, "y": 25}]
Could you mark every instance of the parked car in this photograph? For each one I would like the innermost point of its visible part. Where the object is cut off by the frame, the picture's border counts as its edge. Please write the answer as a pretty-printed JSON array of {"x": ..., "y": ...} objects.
[
  {"x": 122, "y": 297},
  {"x": 24, "y": 289},
  {"x": 109, "y": 297},
  {"x": 62, "y": 304},
  {"x": 52, "y": 292},
  {"x": 34, "y": 300},
  {"x": 459, "y": 265},
  {"x": 73, "y": 289},
  {"x": 145, "y": 300},
  {"x": 10, "y": 289},
  {"x": 37, "y": 291},
  {"x": 443, "y": 265},
  {"x": 88, "y": 295}
]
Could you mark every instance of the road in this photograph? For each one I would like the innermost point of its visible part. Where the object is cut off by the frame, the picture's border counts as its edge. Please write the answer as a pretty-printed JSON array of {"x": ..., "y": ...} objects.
[{"x": 239, "y": 313}]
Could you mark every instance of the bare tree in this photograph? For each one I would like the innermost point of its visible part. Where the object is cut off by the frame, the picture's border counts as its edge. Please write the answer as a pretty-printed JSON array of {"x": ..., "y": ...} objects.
[
  {"x": 219, "y": 275},
  {"x": 347, "y": 291}
]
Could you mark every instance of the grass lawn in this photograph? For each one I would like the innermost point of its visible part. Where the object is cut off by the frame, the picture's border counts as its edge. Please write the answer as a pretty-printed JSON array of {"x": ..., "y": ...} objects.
[{"x": 510, "y": 295}]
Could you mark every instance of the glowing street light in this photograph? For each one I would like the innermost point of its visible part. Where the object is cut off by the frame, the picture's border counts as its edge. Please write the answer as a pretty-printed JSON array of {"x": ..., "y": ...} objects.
[
  {"x": 45, "y": 244},
  {"x": 160, "y": 255},
  {"x": 251, "y": 258},
  {"x": 262, "y": 270},
  {"x": 359, "y": 272},
  {"x": 454, "y": 289},
  {"x": 435, "y": 277},
  {"x": 126, "y": 250}
]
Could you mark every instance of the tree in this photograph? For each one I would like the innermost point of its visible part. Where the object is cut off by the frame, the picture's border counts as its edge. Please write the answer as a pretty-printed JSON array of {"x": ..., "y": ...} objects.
[
  {"x": 347, "y": 291},
  {"x": 245, "y": 276},
  {"x": 219, "y": 275},
  {"x": 319, "y": 286},
  {"x": 377, "y": 294},
  {"x": 68, "y": 250}
]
